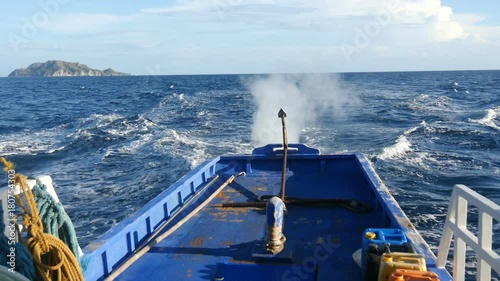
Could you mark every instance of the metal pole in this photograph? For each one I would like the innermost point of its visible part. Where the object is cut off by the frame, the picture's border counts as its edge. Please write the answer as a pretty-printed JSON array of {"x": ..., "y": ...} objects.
[{"x": 282, "y": 115}]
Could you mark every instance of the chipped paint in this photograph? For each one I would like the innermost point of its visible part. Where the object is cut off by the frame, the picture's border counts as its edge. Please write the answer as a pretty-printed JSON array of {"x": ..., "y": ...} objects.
[
  {"x": 197, "y": 242},
  {"x": 220, "y": 195},
  {"x": 258, "y": 188}
]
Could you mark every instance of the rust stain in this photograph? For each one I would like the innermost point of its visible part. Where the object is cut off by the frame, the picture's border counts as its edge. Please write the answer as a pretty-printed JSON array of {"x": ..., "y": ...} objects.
[
  {"x": 238, "y": 211},
  {"x": 219, "y": 216},
  {"x": 221, "y": 195},
  {"x": 335, "y": 239},
  {"x": 234, "y": 211},
  {"x": 259, "y": 188},
  {"x": 197, "y": 242},
  {"x": 189, "y": 273},
  {"x": 226, "y": 243}
]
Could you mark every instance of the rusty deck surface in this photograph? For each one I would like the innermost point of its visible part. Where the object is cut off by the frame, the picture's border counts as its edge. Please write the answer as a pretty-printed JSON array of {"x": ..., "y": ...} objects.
[
  {"x": 322, "y": 239},
  {"x": 219, "y": 243}
]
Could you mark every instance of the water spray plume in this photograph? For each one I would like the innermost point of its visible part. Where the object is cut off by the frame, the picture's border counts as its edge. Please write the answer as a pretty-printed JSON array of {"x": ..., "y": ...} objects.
[{"x": 303, "y": 96}]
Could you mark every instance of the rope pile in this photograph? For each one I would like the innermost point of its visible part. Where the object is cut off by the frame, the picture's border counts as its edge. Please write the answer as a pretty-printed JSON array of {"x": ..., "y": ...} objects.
[
  {"x": 53, "y": 259},
  {"x": 54, "y": 219}
]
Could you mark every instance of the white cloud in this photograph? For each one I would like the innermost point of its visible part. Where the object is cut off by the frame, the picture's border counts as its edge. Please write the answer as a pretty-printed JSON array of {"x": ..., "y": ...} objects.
[
  {"x": 72, "y": 23},
  {"x": 194, "y": 6},
  {"x": 448, "y": 30},
  {"x": 320, "y": 13},
  {"x": 382, "y": 51}
]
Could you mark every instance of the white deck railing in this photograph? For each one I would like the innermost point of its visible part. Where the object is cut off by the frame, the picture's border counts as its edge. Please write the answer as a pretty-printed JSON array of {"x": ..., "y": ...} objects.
[{"x": 456, "y": 226}]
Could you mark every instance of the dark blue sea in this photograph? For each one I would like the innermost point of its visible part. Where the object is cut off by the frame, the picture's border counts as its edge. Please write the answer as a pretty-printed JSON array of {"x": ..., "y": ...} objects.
[{"x": 113, "y": 143}]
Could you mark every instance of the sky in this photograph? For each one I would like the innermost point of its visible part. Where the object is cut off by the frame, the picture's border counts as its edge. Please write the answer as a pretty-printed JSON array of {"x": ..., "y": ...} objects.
[{"x": 252, "y": 36}]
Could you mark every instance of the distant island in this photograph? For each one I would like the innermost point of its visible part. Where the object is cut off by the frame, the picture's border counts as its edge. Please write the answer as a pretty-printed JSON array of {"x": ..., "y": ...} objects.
[{"x": 53, "y": 68}]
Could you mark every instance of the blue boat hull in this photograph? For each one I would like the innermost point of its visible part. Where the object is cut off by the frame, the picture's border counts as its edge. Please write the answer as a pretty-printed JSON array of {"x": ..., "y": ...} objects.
[{"x": 225, "y": 243}]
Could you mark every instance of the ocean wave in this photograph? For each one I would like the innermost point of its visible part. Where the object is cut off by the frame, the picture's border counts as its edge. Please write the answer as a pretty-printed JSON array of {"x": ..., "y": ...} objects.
[
  {"x": 427, "y": 103},
  {"x": 114, "y": 125},
  {"x": 129, "y": 148},
  {"x": 90, "y": 130},
  {"x": 195, "y": 150},
  {"x": 490, "y": 119},
  {"x": 401, "y": 146},
  {"x": 29, "y": 142},
  {"x": 182, "y": 144}
]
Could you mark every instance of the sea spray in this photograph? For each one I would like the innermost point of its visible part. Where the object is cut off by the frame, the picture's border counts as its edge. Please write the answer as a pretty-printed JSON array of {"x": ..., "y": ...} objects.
[{"x": 304, "y": 97}]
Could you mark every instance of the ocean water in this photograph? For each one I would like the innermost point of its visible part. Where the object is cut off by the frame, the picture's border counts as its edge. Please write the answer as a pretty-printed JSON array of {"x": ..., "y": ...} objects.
[{"x": 113, "y": 143}]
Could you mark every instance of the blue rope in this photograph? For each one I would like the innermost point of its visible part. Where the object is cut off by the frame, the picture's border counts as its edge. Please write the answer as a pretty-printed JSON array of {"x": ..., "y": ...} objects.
[
  {"x": 23, "y": 261},
  {"x": 54, "y": 219}
]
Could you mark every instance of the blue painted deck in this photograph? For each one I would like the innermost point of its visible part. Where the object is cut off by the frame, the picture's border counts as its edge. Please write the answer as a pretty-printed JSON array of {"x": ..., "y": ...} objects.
[{"x": 218, "y": 242}]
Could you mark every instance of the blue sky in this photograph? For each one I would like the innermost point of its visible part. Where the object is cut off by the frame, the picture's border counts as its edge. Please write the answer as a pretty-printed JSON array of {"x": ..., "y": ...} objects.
[{"x": 252, "y": 36}]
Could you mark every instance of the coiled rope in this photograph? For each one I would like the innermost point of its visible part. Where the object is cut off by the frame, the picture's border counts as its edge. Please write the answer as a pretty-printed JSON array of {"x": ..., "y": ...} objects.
[
  {"x": 54, "y": 219},
  {"x": 53, "y": 259}
]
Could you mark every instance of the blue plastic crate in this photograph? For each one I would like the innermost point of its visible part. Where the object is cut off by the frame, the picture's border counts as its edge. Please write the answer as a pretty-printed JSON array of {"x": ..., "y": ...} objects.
[{"x": 377, "y": 241}]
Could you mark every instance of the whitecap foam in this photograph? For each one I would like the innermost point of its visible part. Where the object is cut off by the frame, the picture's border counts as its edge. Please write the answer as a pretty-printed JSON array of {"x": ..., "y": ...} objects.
[
  {"x": 400, "y": 148},
  {"x": 490, "y": 119},
  {"x": 103, "y": 119},
  {"x": 183, "y": 145},
  {"x": 402, "y": 144},
  {"x": 193, "y": 150},
  {"x": 113, "y": 124},
  {"x": 426, "y": 103},
  {"x": 130, "y": 148},
  {"x": 409, "y": 131},
  {"x": 126, "y": 127},
  {"x": 32, "y": 142}
]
